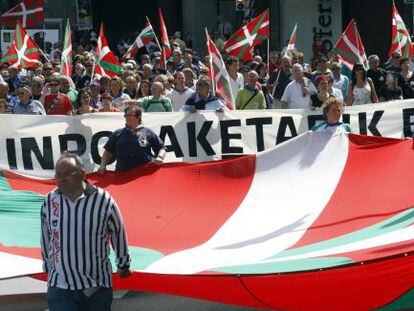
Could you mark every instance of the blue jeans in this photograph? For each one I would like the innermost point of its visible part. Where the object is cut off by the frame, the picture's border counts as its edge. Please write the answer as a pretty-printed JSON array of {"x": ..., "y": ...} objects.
[{"x": 75, "y": 300}]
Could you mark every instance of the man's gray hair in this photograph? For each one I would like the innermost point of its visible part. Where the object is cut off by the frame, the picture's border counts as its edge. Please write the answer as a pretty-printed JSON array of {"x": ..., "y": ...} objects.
[
  {"x": 298, "y": 66},
  {"x": 74, "y": 156},
  {"x": 373, "y": 56},
  {"x": 149, "y": 66}
]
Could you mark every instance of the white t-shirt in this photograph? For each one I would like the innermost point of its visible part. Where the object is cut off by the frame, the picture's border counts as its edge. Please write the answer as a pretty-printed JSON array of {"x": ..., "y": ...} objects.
[
  {"x": 118, "y": 102},
  {"x": 337, "y": 93},
  {"x": 178, "y": 98},
  {"x": 293, "y": 95},
  {"x": 236, "y": 85}
]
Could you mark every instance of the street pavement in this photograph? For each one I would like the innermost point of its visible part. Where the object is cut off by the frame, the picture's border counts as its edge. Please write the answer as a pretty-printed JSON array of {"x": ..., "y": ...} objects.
[{"x": 131, "y": 301}]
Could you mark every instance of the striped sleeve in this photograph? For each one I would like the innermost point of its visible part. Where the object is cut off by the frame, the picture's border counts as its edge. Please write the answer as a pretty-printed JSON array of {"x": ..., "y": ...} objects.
[
  {"x": 118, "y": 237},
  {"x": 45, "y": 234}
]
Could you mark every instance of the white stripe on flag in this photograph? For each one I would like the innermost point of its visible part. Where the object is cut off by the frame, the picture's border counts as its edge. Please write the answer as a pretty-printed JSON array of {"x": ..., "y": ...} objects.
[
  {"x": 21, "y": 265},
  {"x": 288, "y": 193}
]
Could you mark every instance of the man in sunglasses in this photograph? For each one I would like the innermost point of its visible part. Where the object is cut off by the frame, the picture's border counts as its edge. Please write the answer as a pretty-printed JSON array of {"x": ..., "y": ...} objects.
[
  {"x": 25, "y": 103},
  {"x": 134, "y": 145},
  {"x": 78, "y": 222},
  {"x": 86, "y": 79},
  {"x": 55, "y": 103}
]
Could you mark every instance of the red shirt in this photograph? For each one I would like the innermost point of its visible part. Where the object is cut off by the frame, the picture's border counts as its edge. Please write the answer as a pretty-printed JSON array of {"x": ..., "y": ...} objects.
[
  {"x": 61, "y": 108},
  {"x": 114, "y": 109}
]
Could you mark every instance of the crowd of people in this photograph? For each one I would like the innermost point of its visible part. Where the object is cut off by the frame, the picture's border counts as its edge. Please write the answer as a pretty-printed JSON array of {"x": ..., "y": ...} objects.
[{"x": 285, "y": 81}]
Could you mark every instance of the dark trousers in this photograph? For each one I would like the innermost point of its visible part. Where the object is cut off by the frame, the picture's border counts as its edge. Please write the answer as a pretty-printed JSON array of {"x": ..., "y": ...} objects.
[{"x": 75, "y": 300}]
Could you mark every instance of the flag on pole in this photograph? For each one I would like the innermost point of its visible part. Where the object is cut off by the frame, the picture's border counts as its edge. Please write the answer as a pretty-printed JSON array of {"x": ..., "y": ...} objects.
[
  {"x": 292, "y": 42},
  {"x": 29, "y": 13},
  {"x": 350, "y": 47},
  {"x": 219, "y": 76},
  {"x": 24, "y": 51},
  {"x": 146, "y": 36},
  {"x": 165, "y": 42},
  {"x": 67, "y": 53},
  {"x": 106, "y": 62},
  {"x": 401, "y": 41},
  {"x": 242, "y": 42}
]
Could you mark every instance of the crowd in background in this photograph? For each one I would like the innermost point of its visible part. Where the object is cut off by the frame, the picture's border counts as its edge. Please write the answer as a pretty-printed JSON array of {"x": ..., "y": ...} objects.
[{"x": 283, "y": 81}]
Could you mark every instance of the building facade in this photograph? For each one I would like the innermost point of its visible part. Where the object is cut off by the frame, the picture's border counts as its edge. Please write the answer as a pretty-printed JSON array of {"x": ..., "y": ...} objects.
[{"x": 328, "y": 18}]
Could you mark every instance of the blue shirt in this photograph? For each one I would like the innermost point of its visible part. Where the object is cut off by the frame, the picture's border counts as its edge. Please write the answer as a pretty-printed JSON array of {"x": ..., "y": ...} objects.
[
  {"x": 12, "y": 101},
  {"x": 33, "y": 107},
  {"x": 133, "y": 148}
]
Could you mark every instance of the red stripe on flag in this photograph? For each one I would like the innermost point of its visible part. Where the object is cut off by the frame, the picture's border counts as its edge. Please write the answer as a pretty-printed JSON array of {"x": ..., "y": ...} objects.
[
  {"x": 170, "y": 209},
  {"x": 373, "y": 187}
]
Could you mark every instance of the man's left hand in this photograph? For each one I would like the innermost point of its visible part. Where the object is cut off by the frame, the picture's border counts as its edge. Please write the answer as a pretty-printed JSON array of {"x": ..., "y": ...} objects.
[
  {"x": 124, "y": 273},
  {"x": 158, "y": 161}
]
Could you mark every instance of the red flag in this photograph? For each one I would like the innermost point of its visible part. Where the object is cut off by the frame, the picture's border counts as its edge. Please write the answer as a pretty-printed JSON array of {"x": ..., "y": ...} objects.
[
  {"x": 350, "y": 47},
  {"x": 242, "y": 42},
  {"x": 165, "y": 43},
  {"x": 24, "y": 51},
  {"x": 146, "y": 35},
  {"x": 106, "y": 62},
  {"x": 401, "y": 41},
  {"x": 29, "y": 13},
  {"x": 218, "y": 74},
  {"x": 292, "y": 42},
  {"x": 67, "y": 53}
]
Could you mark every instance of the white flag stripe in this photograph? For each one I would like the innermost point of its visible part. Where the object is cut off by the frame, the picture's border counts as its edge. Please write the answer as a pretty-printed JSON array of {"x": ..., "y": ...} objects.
[
  {"x": 11, "y": 14},
  {"x": 272, "y": 217}
]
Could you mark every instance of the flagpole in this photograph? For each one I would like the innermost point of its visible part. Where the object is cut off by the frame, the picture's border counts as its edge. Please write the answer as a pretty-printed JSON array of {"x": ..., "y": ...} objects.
[
  {"x": 210, "y": 61},
  {"x": 44, "y": 55},
  {"x": 93, "y": 70},
  {"x": 156, "y": 38},
  {"x": 277, "y": 80},
  {"x": 268, "y": 53}
]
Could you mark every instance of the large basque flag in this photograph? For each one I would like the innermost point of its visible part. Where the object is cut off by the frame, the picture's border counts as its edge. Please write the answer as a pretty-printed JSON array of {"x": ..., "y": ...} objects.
[
  {"x": 320, "y": 222},
  {"x": 29, "y": 13},
  {"x": 242, "y": 42},
  {"x": 350, "y": 47}
]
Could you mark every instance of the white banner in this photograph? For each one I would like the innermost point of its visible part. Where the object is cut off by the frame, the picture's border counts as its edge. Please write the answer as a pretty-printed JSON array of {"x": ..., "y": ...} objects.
[{"x": 32, "y": 144}]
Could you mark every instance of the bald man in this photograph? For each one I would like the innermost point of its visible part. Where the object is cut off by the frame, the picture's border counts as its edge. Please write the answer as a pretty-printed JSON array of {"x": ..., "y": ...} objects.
[{"x": 250, "y": 97}]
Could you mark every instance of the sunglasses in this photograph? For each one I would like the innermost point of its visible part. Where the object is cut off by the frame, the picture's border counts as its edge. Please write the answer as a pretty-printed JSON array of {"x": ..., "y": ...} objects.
[
  {"x": 53, "y": 84},
  {"x": 75, "y": 173},
  {"x": 129, "y": 115}
]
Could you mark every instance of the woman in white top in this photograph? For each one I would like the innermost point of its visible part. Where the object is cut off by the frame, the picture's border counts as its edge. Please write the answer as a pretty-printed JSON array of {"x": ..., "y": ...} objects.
[
  {"x": 361, "y": 90},
  {"x": 117, "y": 94}
]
